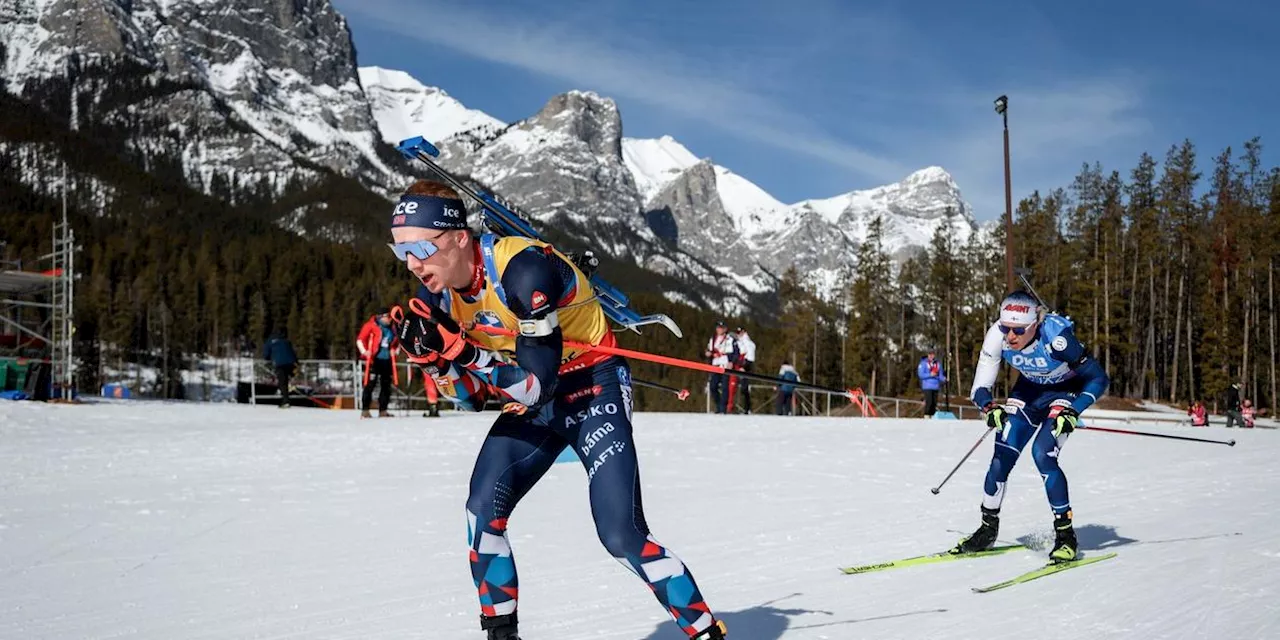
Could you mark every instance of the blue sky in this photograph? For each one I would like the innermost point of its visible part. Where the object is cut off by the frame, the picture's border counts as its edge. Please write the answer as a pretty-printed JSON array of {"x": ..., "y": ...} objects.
[{"x": 812, "y": 98}]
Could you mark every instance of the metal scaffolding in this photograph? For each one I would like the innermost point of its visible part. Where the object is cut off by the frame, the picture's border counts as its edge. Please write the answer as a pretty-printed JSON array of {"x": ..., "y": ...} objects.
[
  {"x": 62, "y": 355},
  {"x": 37, "y": 311}
]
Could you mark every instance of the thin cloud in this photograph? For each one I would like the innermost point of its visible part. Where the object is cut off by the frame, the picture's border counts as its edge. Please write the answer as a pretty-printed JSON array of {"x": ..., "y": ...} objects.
[
  {"x": 1053, "y": 130},
  {"x": 629, "y": 69}
]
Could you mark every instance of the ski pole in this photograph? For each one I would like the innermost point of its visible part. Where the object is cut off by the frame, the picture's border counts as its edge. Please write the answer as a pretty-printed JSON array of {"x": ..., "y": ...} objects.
[
  {"x": 676, "y": 362},
  {"x": 975, "y": 446},
  {"x": 682, "y": 394},
  {"x": 1229, "y": 443}
]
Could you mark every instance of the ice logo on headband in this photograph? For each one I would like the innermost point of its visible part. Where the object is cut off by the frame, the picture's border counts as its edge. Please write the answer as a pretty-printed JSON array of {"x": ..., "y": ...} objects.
[{"x": 429, "y": 211}]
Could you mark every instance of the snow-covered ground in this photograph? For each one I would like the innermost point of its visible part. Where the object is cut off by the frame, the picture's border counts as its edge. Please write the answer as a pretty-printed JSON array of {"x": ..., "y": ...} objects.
[{"x": 213, "y": 521}]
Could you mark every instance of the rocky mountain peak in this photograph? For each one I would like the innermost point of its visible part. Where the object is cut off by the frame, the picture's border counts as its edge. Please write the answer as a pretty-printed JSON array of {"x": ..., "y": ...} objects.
[
  {"x": 195, "y": 38},
  {"x": 584, "y": 116},
  {"x": 268, "y": 93},
  {"x": 564, "y": 162}
]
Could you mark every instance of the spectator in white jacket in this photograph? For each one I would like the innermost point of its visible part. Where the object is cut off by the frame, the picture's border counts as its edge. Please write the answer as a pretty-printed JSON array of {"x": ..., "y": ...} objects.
[
  {"x": 722, "y": 351},
  {"x": 746, "y": 362}
]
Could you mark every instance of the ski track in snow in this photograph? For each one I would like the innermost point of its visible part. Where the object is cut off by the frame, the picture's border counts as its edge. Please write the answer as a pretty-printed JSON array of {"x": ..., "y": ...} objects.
[{"x": 205, "y": 521}]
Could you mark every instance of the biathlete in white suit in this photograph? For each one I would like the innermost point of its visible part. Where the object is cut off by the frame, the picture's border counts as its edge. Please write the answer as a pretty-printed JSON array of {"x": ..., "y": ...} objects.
[{"x": 1057, "y": 381}]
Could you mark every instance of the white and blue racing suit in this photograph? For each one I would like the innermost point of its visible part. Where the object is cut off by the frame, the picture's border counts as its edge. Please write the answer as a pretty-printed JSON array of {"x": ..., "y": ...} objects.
[{"x": 1054, "y": 371}]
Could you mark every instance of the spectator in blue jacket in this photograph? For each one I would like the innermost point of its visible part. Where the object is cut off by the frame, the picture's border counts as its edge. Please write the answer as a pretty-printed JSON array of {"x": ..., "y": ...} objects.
[
  {"x": 280, "y": 352},
  {"x": 931, "y": 378}
]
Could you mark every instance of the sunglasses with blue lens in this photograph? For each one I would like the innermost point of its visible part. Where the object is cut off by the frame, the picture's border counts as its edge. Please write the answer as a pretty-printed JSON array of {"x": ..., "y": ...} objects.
[
  {"x": 1017, "y": 331},
  {"x": 420, "y": 249}
]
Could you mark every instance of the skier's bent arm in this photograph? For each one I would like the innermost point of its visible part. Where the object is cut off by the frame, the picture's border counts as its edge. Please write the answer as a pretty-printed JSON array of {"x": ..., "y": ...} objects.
[
  {"x": 1067, "y": 348},
  {"x": 535, "y": 285},
  {"x": 1096, "y": 383},
  {"x": 489, "y": 369}
]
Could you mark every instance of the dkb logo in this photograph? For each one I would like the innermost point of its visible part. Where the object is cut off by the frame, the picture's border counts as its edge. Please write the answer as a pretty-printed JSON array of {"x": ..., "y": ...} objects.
[{"x": 1020, "y": 360}]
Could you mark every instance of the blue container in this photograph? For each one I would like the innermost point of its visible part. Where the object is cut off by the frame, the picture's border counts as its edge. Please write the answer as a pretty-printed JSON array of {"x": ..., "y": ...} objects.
[{"x": 115, "y": 390}]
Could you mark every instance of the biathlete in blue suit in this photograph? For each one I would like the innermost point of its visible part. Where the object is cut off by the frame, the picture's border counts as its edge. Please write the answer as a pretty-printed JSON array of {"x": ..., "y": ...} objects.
[
  {"x": 1057, "y": 381},
  {"x": 508, "y": 318}
]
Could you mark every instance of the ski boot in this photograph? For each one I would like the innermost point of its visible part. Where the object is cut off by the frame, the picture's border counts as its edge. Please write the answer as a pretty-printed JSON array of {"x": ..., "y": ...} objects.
[
  {"x": 985, "y": 537},
  {"x": 716, "y": 631},
  {"x": 1065, "y": 545},
  {"x": 500, "y": 627}
]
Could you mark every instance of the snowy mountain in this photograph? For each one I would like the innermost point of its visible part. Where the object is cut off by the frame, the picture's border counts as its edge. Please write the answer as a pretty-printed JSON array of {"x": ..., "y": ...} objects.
[
  {"x": 654, "y": 201},
  {"x": 244, "y": 93},
  {"x": 731, "y": 222},
  {"x": 655, "y": 163},
  {"x": 263, "y": 97},
  {"x": 565, "y": 167},
  {"x": 404, "y": 107},
  {"x": 911, "y": 210},
  {"x": 563, "y": 162}
]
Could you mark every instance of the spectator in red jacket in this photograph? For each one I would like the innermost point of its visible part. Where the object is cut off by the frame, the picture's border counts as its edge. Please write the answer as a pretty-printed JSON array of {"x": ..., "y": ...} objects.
[
  {"x": 1199, "y": 415},
  {"x": 1247, "y": 412},
  {"x": 378, "y": 347}
]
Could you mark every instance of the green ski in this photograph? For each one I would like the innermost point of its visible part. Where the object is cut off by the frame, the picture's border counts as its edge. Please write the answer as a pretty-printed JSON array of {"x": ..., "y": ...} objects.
[
  {"x": 944, "y": 556},
  {"x": 1046, "y": 570}
]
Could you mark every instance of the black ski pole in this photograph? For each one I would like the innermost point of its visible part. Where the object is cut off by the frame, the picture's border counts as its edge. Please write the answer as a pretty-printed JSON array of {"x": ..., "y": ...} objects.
[
  {"x": 975, "y": 446},
  {"x": 1229, "y": 443},
  {"x": 682, "y": 394}
]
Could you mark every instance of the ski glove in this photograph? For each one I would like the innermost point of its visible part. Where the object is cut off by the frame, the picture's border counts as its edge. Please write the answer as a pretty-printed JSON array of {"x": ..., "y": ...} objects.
[
  {"x": 1065, "y": 422},
  {"x": 996, "y": 416},
  {"x": 430, "y": 337}
]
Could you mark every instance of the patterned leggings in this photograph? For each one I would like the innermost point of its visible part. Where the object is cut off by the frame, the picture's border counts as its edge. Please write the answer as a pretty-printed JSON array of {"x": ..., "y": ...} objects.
[{"x": 592, "y": 414}]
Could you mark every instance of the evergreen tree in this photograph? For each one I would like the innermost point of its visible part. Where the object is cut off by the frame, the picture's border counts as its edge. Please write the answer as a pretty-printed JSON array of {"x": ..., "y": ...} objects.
[{"x": 871, "y": 310}]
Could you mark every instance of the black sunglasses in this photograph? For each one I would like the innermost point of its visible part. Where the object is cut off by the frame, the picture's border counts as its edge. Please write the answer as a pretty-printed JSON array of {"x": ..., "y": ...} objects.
[{"x": 1017, "y": 331}]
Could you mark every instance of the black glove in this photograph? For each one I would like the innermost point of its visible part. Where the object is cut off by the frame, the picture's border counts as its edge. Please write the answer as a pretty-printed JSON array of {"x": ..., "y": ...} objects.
[
  {"x": 1066, "y": 421},
  {"x": 996, "y": 417},
  {"x": 429, "y": 336}
]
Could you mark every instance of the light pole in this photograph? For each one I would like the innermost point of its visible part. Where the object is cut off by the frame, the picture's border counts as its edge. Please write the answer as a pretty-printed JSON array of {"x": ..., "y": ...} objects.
[{"x": 1002, "y": 108}]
